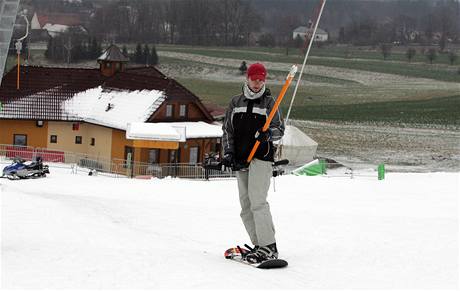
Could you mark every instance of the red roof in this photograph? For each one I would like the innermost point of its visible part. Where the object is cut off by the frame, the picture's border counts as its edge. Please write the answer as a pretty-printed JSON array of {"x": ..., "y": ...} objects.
[
  {"x": 216, "y": 111},
  {"x": 43, "y": 89},
  {"x": 147, "y": 71},
  {"x": 69, "y": 19}
]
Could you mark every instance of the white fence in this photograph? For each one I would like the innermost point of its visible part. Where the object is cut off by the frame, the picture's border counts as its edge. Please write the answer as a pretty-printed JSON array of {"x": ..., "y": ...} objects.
[{"x": 115, "y": 167}]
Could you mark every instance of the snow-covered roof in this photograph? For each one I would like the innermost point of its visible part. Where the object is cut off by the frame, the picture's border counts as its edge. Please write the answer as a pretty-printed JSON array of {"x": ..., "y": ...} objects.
[
  {"x": 113, "y": 108},
  {"x": 152, "y": 131},
  {"x": 113, "y": 53},
  {"x": 173, "y": 131},
  {"x": 55, "y": 28},
  {"x": 199, "y": 129}
]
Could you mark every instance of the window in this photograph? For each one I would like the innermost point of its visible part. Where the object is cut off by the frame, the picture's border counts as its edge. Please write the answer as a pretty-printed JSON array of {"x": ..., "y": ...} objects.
[
  {"x": 129, "y": 153},
  {"x": 39, "y": 123},
  {"x": 217, "y": 147},
  {"x": 75, "y": 126},
  {"x": 93, "y": 141},
  {"x": 53, "y": 139},
  {"x": 183, "y": 110},
  {"x": 173, "y": 156},
  {"x": 20, "y": 139},
  {"x": 169, "y": 110},
  {"x": 78, "y": 139},
  {"x": 194, "y": 152},
  {"x": 154, "y": 156}
]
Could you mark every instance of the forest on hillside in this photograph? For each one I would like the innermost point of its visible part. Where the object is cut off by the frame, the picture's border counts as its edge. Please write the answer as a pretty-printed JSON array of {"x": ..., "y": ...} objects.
[{"x": 245, "y": 22}]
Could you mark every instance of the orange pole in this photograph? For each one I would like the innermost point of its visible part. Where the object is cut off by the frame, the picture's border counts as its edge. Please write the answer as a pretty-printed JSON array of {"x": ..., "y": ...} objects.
[
  {"x": 274, "y": 109},
  {"x": 17, "y": 79}
]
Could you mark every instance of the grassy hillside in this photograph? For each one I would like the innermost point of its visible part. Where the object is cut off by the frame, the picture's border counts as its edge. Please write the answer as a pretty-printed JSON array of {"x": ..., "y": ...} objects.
[
  {"x": 439, "y": 111},
  {"x": 366, "y": 61},
  {"x": 363, "y": 89}
]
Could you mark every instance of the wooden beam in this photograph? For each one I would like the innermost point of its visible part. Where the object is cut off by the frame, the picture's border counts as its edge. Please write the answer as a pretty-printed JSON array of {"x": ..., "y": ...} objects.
[{"x": 155, "y": 144}]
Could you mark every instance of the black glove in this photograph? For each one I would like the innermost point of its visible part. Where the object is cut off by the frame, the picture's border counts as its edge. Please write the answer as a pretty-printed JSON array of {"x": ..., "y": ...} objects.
[
  {"x": 227, "y": 160},
  {"x": 263, "y": 136}
]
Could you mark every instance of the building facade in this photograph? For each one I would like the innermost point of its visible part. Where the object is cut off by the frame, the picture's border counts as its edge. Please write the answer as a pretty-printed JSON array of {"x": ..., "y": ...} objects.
[{"x": 87, "y": 111}]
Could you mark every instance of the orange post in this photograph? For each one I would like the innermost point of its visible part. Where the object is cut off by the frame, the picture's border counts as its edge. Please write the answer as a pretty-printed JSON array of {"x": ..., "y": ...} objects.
[{"x": 274, "y": 109}]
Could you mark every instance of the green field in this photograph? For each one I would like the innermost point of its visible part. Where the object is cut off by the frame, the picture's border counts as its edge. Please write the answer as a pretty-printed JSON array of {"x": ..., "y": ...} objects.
[
  {"x": 321, "y": 106},
  {"x": 338, "y": 98},
  {"x": 439, "y": 111},
  {"x": 333, "y": 58},
  {"x": 398, "y": 54}
]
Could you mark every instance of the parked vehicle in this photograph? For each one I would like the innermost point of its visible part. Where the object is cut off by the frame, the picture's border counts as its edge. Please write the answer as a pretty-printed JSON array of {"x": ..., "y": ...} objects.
[{"x": 19, "y": 169}]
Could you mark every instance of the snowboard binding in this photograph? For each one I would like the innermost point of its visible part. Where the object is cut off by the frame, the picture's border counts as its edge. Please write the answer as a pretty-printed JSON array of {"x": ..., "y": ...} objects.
[{"x": 238, "y": 254}]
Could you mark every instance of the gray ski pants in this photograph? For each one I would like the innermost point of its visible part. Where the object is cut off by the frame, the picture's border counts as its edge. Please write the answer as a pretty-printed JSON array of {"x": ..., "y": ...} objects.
[{"x": 253, "y": 185}]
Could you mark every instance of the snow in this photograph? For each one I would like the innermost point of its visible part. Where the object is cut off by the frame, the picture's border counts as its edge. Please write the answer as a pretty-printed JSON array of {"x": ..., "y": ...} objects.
[
  {"x": 114, "y": 108},
  {"x": 174, "y": 131},
  {"x": 152, "y": 131},
  {"x": 104, "y": 55},
  {"x": 199, "y": 129},
  {"x": 54, "y": 29},
  {"x": 78, "y": 231}
]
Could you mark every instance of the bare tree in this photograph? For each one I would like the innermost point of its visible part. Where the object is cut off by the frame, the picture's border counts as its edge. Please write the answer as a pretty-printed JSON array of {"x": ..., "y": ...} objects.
[
  {"x": 452, "y": 57},
  {"x": 431, "y": 55},
  {"x": 385, "y": 49},
  {"x": 68, "y": 47},
  {"x": 237, "y": 19},
  {"x": 171, "y": 19},
  {"x": 410, "y": 53},
  {"x": 224, "y": 12},
  {"x": 285, "y": 28}
]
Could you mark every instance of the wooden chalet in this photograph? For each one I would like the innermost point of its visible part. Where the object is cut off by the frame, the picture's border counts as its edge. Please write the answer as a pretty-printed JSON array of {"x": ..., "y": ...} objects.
[{"x": 38, "y": 115}]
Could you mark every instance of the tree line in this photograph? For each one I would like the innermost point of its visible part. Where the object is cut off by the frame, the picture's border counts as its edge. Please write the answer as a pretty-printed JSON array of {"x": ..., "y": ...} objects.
[
  {"x": 266, "y": 22},
  {"x": 195, "y": 22},
  {"x": 431, "y": 54},
  {"x": 73, "y": 46}
]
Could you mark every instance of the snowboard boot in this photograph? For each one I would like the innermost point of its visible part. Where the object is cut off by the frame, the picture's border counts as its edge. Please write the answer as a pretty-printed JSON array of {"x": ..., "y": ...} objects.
[{"x": 268, "y": 252}]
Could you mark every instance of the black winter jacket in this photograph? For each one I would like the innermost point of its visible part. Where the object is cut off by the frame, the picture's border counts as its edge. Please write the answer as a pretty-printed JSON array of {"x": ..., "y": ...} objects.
[{"x": 242, "y": 120}]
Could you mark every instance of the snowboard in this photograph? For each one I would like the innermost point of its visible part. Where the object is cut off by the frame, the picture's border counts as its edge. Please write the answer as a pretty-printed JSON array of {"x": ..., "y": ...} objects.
[{"x": 237, "y": 254}]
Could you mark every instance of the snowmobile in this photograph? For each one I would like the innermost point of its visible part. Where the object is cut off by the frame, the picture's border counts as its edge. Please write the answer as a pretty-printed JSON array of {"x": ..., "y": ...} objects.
[{"x": 20, "y": 170}]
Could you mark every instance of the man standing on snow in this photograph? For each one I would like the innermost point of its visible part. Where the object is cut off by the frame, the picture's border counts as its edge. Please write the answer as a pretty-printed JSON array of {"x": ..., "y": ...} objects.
[{"x": 244, "y": 120}]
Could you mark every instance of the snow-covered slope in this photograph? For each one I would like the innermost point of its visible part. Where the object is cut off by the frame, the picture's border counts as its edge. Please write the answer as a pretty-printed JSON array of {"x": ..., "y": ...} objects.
[{"x": 78, "y": 231}]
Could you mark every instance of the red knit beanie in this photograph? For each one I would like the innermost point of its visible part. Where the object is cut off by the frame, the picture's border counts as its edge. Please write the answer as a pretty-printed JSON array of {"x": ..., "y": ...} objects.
[{"x": 257, "y": 71}]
